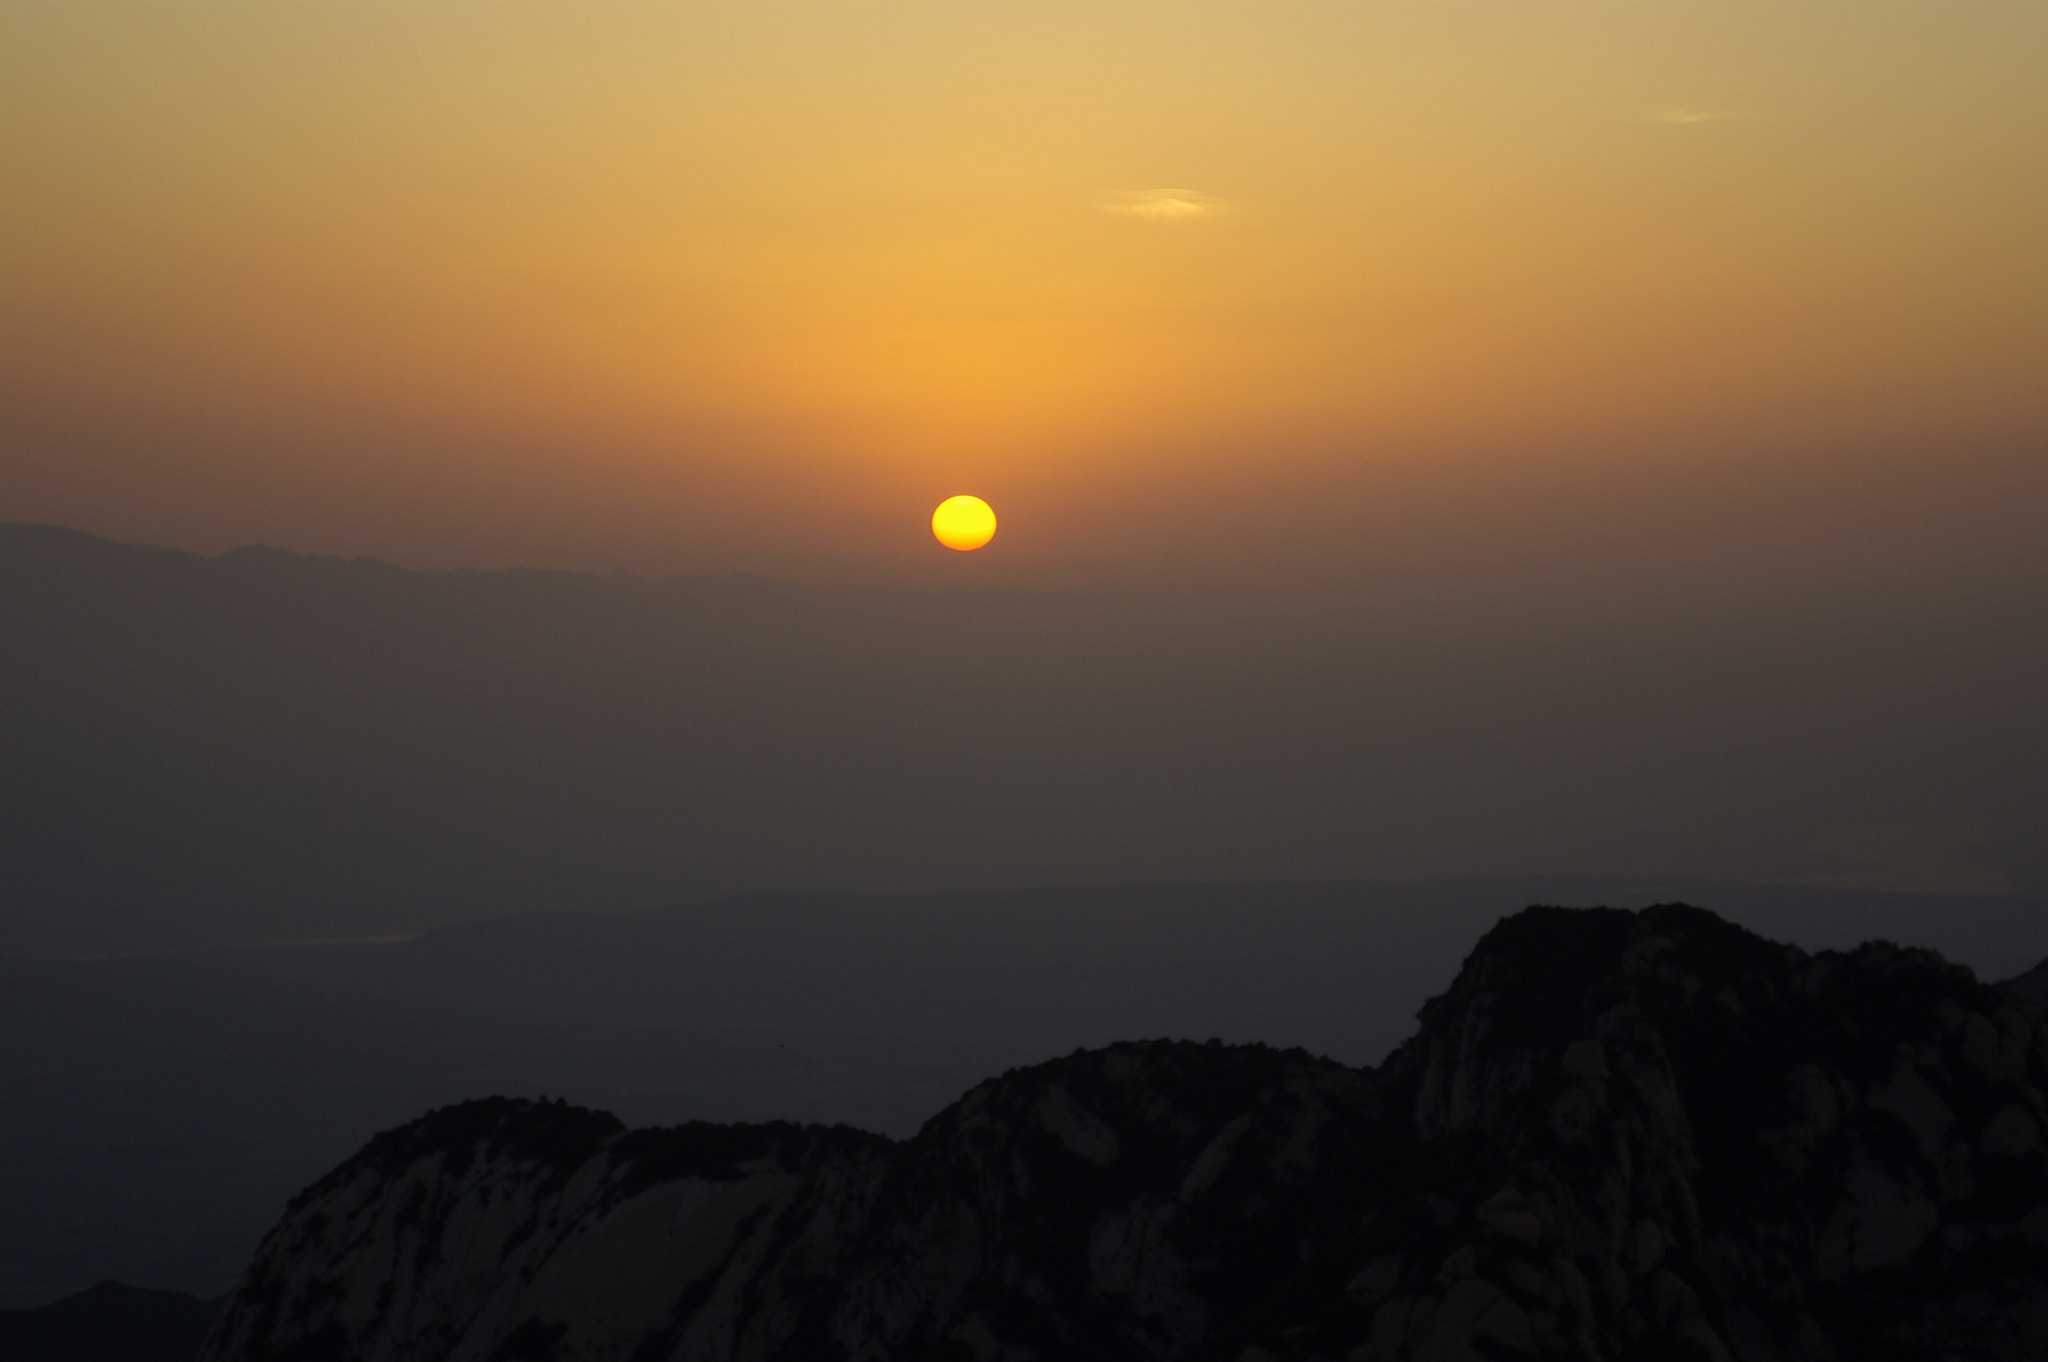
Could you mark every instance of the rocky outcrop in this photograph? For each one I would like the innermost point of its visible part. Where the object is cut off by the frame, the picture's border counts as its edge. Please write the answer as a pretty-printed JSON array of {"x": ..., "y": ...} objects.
[
  {"x": 1665, "y": 1137},
  {"x": 1617, "y": 1136}
]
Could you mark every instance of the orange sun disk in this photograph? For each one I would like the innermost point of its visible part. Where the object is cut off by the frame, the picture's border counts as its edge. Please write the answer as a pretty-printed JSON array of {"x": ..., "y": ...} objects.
[{"x": 963, "y": 523}]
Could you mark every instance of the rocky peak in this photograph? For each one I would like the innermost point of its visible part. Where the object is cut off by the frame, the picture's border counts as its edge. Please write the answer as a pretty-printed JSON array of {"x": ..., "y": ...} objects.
[{"x": 1618, "y": 1135}]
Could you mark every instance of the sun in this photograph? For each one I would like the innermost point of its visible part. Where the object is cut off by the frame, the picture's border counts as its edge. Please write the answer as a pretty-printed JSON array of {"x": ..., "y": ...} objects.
[{"x": 963, "y": 523}]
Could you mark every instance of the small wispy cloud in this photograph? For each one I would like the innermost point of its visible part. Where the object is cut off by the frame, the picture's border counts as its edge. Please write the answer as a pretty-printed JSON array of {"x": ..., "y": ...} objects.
[
  {"x": 1163, "y": 205},
  {"x": 1694, "y": 116}
]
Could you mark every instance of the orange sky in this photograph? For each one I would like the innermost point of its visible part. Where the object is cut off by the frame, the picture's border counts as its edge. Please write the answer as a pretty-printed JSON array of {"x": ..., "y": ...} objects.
[{"x": 1194, "y": 289}]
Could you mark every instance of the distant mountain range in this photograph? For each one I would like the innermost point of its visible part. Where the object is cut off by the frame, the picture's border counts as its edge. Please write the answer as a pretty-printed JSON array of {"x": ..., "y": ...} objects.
[
  {"x": 1617, "y": 1135},
  {"x": 109, "y": 1323},
  {"x": 265, "y": 746}
]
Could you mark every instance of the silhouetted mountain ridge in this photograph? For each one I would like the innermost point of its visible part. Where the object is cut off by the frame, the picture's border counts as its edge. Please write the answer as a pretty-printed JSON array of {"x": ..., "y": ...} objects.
[
  {"x": 2034, "y": 982},
  {"x": 109, "y": 1322},
  {"x": 1618, "y": 1135}
]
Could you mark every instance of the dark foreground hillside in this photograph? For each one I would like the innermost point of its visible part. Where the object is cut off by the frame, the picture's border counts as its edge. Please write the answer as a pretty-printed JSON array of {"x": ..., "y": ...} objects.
[
  {"x": 161, "y": 1110},
  {"x": 1618, "y": 1135}
]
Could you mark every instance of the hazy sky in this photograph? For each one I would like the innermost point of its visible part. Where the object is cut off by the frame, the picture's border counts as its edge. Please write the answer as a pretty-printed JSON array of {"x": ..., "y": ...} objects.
[{"x": 1209, "y": 289}]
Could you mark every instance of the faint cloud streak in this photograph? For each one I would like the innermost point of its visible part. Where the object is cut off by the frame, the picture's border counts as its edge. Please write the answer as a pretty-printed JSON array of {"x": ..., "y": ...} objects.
[
  {"x": 1690, "y": 116},
  {"x": 1163, "y": 205}
]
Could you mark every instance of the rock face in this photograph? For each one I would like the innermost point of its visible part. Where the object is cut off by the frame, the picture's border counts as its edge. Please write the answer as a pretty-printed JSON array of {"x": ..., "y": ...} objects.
[{"x": 1617, "y": 1136}]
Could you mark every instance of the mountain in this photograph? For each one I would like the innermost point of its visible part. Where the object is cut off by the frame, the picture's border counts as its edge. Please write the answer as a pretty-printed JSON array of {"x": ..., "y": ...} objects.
[
  {"x": 162, "y": 1109},
  {"x": 1619, "y": 1134},
  {"x": 2034, "y": 982},
  {"x": 109, "y": 1323}
]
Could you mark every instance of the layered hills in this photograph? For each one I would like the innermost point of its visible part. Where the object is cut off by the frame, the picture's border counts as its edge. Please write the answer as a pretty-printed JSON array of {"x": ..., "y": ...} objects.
[
  {"x": 1617, "y": 1135},
  {"x": 264, "y": 746}
]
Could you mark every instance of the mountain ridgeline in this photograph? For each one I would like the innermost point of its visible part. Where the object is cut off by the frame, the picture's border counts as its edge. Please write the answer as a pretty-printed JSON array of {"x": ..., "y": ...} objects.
[
  {"x": 1618, "y": 1135},
  {"x": 109, "y": 1322}
]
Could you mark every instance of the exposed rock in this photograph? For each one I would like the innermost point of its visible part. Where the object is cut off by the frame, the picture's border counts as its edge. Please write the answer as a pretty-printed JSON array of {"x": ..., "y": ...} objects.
[{"x": 1617, "y": 1136}]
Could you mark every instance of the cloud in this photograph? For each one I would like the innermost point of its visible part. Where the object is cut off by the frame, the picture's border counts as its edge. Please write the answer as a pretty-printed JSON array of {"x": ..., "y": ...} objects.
[
  {"x": 1693, "y": 116},
  {"x": 1163, "y": 205}
]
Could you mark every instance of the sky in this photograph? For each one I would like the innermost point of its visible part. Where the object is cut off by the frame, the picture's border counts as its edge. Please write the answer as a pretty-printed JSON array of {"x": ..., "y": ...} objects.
[{"x": 1730, "y": 297}]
